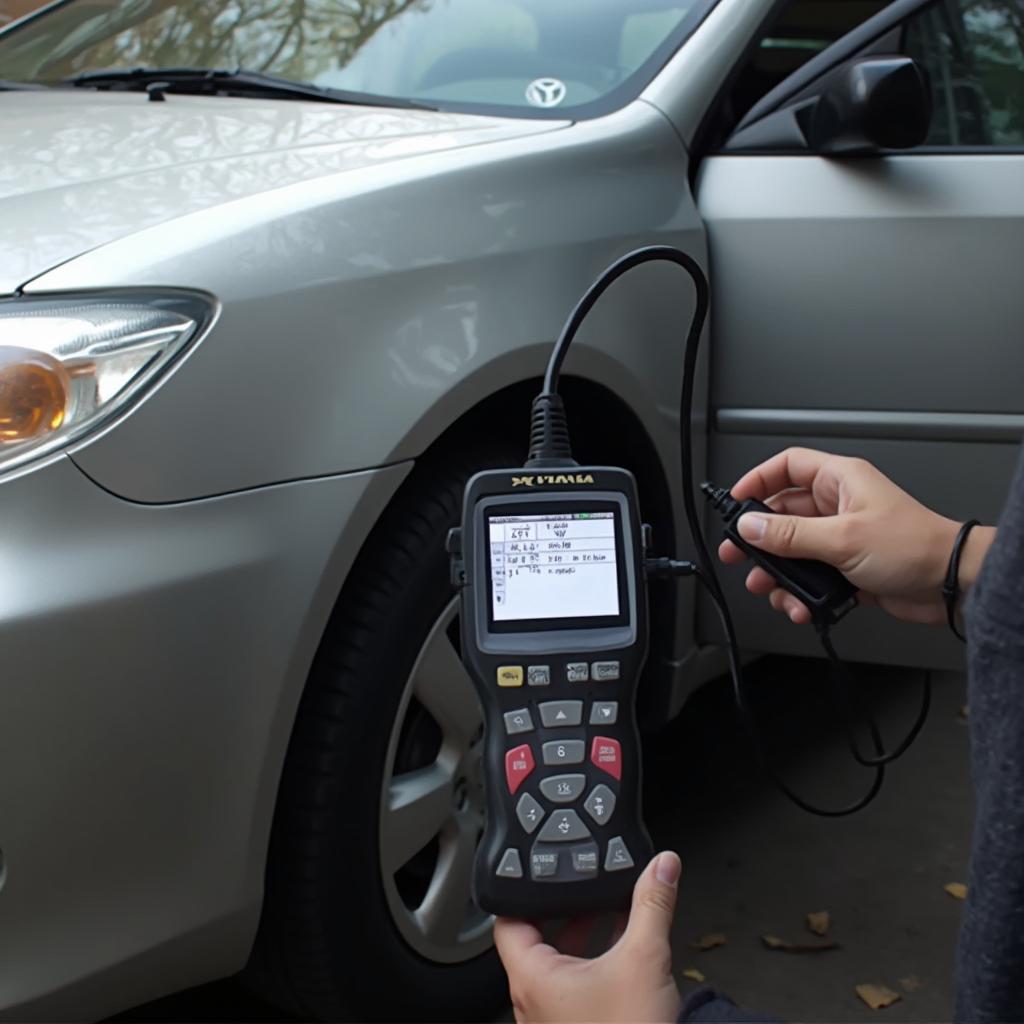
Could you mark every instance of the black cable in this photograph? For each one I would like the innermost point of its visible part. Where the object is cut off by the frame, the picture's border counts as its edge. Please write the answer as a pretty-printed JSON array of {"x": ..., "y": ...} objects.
[
  {"x": 748, "y": 720},
  {"x": 548, "y": 402},
  {"x": 842, "y": 684}
]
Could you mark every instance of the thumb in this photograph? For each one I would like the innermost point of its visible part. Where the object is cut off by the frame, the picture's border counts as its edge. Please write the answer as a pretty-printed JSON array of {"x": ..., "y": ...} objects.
[
  {"x": 654, "y": 902},
  {"x": 818, "y": 537}
]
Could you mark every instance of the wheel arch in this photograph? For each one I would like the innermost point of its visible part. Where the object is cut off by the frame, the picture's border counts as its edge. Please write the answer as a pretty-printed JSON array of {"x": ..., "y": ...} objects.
[{"x": 605, "y": 430}]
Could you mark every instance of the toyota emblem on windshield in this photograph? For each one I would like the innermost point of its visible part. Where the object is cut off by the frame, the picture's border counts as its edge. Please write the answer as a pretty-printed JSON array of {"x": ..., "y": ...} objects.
[{"x": 545, "y": 92}]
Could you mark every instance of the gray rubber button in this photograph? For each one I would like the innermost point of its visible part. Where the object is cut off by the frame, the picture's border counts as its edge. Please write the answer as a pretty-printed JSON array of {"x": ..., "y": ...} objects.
[
  {"x": 584, "y": 859},
  {"x": 529, "y": 812},
  {"x": 600, "y": 804},
  {"x": 543, "y": 864},
  {"x": 563, "y": 827},
  {"x": 563, "y": 752},
  {"x": 577, "y": 672},
  {"x": 617, "y": 858},
  {"x": 538, "y": 675},
  {"x": 604, "y": 712},
  {"x": 562, "y": 789},
  {"x": 561, "y": 712},
  {"x": 604, "y": 671},
  {"x": 510, "y": 866},
  {"x": 518, "y": 721}
]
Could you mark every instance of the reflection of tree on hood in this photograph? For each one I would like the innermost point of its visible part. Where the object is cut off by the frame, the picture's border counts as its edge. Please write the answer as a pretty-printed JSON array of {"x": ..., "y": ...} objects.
[{"x": 298, "y": 39}]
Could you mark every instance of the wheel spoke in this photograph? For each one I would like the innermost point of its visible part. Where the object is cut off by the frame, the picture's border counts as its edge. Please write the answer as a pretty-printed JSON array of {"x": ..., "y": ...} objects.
[
  {"x": 419, "y": 803},
  {"x": 443, "y": 911},
  {"x": 442, "y": 685}
]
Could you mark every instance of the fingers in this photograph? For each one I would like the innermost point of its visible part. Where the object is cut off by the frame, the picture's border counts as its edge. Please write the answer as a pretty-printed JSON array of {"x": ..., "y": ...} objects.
[
  {"x": 763, "y": 585},
  {"x": 794, "y": 502},
  {"x": 730, "y": 554},
  {"x": 760, "y": 582},
  {"x": 783, "y": 601},
  {"x": 654, "y": 902},
  {"x": 823, "y": 538},
  {"x": 795, "y": 467},
  {"x": 515, "y": 941}
]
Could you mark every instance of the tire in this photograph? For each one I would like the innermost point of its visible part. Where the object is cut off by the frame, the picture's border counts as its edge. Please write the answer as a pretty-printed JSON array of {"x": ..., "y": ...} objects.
[{"x": 363, "y": 920}]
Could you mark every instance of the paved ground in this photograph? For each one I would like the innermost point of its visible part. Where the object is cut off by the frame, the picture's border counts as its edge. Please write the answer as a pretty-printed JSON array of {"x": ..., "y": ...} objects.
[{"x": 755, "y": 865}]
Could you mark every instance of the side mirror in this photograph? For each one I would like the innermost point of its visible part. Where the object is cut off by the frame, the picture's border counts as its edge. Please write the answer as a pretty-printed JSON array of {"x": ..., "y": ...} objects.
[{"x": 873, "y": 103}]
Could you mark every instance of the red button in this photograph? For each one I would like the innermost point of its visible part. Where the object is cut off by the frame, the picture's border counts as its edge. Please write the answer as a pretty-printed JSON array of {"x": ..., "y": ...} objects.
[
  {"x": 607, "y": 755},
  {"x": 518, "y": 764}
]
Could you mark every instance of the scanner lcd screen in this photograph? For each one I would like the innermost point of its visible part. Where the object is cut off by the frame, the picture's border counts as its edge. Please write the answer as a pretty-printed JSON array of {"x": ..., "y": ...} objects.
[{"x": 554, "y": 565}]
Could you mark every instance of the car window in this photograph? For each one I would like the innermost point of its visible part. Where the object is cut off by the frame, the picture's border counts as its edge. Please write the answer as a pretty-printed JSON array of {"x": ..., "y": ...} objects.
[
  {"x": 538, "y": 57},
  {"x": 973, "y": 51},
  {"x": 802, "y": 29}
]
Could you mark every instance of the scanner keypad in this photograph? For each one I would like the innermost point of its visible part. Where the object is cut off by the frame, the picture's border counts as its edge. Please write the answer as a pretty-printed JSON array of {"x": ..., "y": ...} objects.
[{"x": 564, "y": 773}]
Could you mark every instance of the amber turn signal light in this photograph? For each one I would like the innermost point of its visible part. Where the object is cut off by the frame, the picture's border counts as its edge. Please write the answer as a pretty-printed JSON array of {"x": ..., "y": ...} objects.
[{"x": 34, "y": 393}]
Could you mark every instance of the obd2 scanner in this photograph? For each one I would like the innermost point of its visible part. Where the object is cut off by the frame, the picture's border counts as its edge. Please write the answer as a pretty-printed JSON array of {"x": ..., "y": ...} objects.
[
  {"x": 553, "y": 565},
  {"x": 554, "y": 613}
]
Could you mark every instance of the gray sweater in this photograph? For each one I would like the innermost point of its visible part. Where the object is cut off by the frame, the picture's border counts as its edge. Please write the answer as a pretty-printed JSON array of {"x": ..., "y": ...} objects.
[{"x": 990, "y": 958}]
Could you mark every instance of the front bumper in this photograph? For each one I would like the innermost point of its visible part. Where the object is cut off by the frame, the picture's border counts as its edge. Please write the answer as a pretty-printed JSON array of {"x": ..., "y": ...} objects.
[{"x": 151, "y": 659}]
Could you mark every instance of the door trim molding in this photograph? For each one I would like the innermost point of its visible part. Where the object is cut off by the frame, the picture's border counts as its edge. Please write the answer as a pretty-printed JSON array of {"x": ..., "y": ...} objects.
[{"x": 895, "y": 426}]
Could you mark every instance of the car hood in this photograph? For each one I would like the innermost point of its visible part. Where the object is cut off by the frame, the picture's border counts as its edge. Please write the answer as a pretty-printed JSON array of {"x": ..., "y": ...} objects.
[{"x": 79, "y": 169}]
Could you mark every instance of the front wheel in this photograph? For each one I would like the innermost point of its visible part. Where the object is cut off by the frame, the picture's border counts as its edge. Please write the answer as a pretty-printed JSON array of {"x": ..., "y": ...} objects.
[{"x": 368, "y": 913}]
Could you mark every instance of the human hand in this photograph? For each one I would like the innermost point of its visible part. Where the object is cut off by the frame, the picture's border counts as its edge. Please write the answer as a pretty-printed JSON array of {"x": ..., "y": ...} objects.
[
  {"x": 847, "y": 513},
  {"x": 631, "y": 982}
]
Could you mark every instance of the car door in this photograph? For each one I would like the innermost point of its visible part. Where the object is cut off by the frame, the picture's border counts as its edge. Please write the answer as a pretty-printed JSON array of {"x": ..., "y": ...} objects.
[{"x": 872, "y": 304}]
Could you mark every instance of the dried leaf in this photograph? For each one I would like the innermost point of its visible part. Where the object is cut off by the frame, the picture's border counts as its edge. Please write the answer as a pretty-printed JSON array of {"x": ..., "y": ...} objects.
[
  {"x": 709, "y": 941},
  {"x": 877, "y": 996},
  {"x": 956, "y": 889},
  {"x": 911, "y": 983},
  {"x": 774, "y": 942},
  {"x": 693, "y": 974},
  {"x": 818, "y": 922}
]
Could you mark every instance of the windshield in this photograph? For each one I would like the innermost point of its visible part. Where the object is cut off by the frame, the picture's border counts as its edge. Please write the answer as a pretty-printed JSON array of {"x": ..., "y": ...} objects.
[{"x": 527, "y": 57}]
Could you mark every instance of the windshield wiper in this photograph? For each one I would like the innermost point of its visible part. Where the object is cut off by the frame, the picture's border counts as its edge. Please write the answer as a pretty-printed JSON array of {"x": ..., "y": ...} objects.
[
  {"x": 8, "y": 86},
  {"x": 240, "y": 82}
]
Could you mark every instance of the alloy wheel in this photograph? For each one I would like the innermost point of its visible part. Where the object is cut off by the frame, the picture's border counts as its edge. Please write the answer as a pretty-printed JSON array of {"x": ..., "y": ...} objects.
[{"x": 432, "y": 803}]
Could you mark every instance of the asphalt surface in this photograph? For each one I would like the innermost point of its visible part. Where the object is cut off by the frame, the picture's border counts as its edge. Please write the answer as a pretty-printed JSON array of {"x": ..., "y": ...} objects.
[{"x": 755, "y": 865}]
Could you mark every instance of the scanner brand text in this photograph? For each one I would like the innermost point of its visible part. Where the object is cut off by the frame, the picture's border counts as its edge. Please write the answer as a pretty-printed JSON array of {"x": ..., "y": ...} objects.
[{"x": 548, "y": 480}]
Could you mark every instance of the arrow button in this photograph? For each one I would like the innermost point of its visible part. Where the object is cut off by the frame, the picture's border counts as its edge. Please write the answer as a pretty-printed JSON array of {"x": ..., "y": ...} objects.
[
  {"x": 604, "y": 712},
  {"x": 563, "y": 827},
  {"x": 561, "y": 712},
  {"x": 600, "y": 804}
]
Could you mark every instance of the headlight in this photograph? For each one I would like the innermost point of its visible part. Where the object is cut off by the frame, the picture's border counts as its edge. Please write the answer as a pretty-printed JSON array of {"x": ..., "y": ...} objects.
[{"x": 69, "y": 364}]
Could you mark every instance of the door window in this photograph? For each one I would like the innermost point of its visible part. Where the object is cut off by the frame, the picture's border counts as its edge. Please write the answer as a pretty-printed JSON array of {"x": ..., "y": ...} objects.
[
  {"x": 801, "y": 31},
  {"x": 974, "y": 52}
]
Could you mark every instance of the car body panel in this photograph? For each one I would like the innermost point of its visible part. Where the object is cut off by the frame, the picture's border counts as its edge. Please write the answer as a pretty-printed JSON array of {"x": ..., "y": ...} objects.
[
  {"x": 80, "y": 168},
  {"x": 356, "y": 293},
  {"x": 153, "y": 661},
  {"x": 894, "y": 333},
  {"x": 388, "y": 336}
]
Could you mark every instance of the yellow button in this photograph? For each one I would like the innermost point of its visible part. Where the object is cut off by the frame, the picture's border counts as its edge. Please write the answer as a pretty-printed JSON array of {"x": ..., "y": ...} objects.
[{"x": 510, "y": 675}]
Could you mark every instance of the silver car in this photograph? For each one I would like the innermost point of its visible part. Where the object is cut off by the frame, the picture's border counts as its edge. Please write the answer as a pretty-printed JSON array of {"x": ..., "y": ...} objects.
[{"x": 277, "y": 278}]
